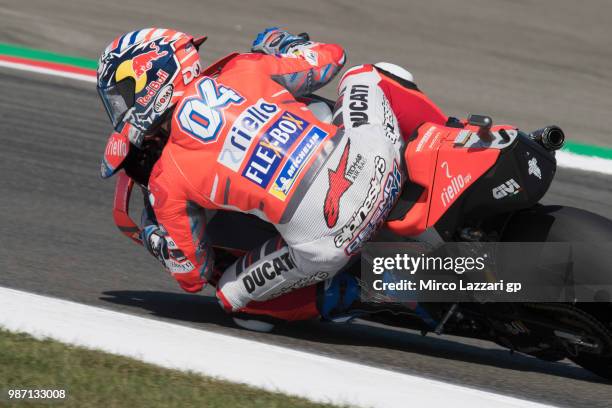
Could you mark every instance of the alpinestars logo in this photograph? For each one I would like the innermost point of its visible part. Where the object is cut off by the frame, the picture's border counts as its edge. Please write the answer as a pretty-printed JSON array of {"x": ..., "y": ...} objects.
[
  {"x": 338, "y": 184},
  {"x": 534, "y": 169}
]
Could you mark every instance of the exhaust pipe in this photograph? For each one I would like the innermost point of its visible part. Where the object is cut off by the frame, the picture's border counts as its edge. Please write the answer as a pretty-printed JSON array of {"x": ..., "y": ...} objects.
[{"x": 551, "y": 137}]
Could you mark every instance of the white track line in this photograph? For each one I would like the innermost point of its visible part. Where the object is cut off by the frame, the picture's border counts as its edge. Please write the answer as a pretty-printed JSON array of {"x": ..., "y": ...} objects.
[
  {"x": 586, "y": 163},
  {"x": 48, "y": 71},
  {"x": 235, "y": 359}
]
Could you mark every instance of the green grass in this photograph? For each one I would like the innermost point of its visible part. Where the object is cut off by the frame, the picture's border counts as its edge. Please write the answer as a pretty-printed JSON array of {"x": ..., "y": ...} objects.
[
  {"x": 15, "y": 50},
  {"x": 97, "y": 379}
]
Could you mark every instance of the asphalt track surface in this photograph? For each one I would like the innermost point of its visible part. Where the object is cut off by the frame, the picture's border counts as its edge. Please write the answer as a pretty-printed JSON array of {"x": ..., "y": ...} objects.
[{"x": 503, "y": 58}]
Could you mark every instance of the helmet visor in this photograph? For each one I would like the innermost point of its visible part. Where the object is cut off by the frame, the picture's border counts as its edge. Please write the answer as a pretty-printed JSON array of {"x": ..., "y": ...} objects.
[{"x": 118, "y": 99}]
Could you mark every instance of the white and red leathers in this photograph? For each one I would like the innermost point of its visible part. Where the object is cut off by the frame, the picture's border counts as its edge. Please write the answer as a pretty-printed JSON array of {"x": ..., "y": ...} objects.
[{"x": 241, "y": 141}]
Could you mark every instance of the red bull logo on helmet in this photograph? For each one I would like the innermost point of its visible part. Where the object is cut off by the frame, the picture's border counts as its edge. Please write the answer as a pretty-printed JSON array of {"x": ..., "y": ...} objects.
[
  {"x": 138, "y": 66},
  {"x": 144, "y": 62},
  {"x": 153, "y": 87}
]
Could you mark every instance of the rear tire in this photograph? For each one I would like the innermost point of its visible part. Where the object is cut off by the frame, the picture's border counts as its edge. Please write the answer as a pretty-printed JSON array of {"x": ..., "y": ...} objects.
[
  {"x": 567, "y": 224},
  {"x": 555, "y": 223},
  {"x": 578, "y": 322}
]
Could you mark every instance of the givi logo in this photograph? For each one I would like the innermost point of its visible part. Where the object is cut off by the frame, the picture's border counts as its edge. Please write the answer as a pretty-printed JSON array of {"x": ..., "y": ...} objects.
[{"x": 509, "y": 188}]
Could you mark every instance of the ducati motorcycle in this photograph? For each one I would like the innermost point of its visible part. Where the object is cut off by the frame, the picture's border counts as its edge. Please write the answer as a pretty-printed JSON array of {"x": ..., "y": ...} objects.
[{"x": 468, "y": 181}]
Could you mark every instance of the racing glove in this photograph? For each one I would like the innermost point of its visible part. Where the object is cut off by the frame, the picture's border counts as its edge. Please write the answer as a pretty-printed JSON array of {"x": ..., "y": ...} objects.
[
  {"x": 151, "y": 235},
  {"x": 273, "y": 41},
  {"x": 153, "y": 239},
  {"x": 157, "y": 241}
]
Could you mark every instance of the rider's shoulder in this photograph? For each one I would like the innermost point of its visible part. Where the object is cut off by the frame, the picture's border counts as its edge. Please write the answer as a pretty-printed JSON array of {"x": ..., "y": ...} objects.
[{"x": 247, "y": 61}]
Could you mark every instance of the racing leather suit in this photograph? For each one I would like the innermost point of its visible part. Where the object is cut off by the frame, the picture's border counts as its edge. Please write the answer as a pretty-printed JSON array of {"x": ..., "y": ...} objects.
[{"x": 241, "y": 141}]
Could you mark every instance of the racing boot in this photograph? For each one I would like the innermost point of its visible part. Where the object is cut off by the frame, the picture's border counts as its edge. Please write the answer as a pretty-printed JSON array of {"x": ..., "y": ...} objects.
[
  {"x": 341, "y": 299},
  {"x": 336, "y": 300},
  {"x": 297, "y": 305}
]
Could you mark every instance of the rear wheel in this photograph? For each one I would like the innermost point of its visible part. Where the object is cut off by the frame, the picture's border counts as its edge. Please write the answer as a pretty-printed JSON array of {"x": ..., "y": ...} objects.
[
  {"x": 555, "y": 223},
  {"x": 585, "y": 329},
  {"x": 579, "y": 336}
]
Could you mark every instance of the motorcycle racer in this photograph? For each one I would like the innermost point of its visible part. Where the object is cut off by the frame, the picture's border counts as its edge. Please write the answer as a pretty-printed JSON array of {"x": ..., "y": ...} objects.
[{"x": 242, "y": 141}]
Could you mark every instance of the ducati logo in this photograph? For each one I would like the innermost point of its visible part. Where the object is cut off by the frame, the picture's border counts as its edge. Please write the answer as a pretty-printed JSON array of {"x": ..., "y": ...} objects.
[{"x": 338, "y": 184}]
